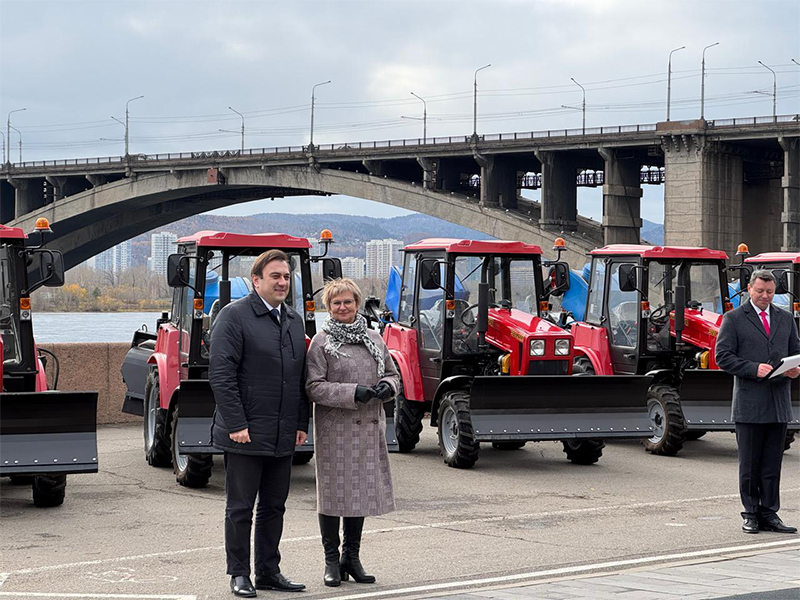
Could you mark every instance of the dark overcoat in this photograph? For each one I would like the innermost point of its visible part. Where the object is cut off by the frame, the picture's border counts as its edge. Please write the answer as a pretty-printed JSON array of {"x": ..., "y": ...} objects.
[
  {"x": 257, "y": 374},
  {"x": 352, "y": 460},
  {"x": 742, "y": 345}
]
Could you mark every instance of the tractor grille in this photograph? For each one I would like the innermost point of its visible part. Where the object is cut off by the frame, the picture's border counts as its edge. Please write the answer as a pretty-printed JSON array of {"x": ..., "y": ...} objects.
[{"x": 548, "y": 367}]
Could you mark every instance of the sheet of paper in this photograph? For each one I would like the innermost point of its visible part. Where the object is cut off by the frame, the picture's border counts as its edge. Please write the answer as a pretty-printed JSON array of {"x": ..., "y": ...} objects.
[{"x": 790, "y": 362}]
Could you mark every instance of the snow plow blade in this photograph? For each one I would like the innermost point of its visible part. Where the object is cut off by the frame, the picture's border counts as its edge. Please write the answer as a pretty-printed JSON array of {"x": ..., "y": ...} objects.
[
  {"x": 706, "y": 398},
  {"x": 557, "y": 407},
  {"x": 48, "y": 432}
]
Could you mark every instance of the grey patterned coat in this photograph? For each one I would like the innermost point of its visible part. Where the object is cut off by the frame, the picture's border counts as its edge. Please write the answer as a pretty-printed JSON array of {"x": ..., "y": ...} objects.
[{"x": 352, "y": 461}]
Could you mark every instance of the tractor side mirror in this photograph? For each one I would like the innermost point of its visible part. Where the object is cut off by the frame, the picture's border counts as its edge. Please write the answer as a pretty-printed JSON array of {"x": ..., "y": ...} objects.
[
  {"x": 781, "y": 281},
  {"x": 430, "y": 274},
  {"x": 177, "y": 270},
  {"x": 627, "y": 277},
  {"x": 45, "y": 268},
  {"x": 744, "y": 278},
  {"x": 559, "y": 278},
  {"x": 331, "y": 269}
]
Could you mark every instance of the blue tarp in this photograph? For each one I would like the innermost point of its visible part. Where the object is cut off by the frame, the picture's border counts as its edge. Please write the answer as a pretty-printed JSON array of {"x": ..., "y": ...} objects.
[
  {"x": 239, "y": 289},
  {"x": 574, "y": 299},
  {"x": 393, "y": 291}
]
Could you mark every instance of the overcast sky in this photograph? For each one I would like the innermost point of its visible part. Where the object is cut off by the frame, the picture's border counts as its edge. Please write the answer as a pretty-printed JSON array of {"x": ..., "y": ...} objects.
[{"x": 73, "y": 65}]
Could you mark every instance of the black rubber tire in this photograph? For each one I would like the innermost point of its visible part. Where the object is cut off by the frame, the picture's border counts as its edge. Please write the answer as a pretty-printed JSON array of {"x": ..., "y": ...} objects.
[
  {"x": 514, "y": 445},
  {"x": 302, "y": 458},
  {"x": 671, "y": 441},
  {"x": 49, "y": 490},
  {"x": 693, "y": 434},
  {"x": 466, "y": 448},
  {"x": 787, "y": 442},
  {"x": 157, "y": 451},
  {"x": 21, "y": 479},
  {"x": 197, "y": 471},
  {"x": 408, "y": 416},
  {"x": 583, "y": 452},
  {"x": 582, "y": 366}
]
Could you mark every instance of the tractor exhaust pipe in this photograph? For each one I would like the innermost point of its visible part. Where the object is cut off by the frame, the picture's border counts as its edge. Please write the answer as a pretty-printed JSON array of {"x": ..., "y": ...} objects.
[
  {"x": 680, "y": 305},
  {"x": 483, "y": 314}
]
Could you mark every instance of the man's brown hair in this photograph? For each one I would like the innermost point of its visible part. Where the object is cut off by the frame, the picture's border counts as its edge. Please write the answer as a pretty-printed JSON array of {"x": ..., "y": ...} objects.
[{"x": 265, "y": 258}]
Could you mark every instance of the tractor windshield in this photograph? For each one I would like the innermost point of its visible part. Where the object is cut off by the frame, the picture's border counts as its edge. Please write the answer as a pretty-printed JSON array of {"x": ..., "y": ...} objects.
[
  {"x": 9, "y": 307},
  {"x": 782, "y": 300}
]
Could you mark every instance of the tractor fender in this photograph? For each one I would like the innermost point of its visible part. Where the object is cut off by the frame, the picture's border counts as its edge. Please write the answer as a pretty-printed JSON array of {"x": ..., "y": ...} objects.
[
  {"x": 455, "y": 382},
  {"x": 165, "y": 390},
  {"x": 600, "y": 367},
  {"x": 663, "y": 376},
  {"x": 412, "y": 379}
]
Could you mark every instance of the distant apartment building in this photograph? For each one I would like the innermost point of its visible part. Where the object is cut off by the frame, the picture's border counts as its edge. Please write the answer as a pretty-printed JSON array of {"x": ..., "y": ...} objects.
[
  {"x": 381, "y": 255},
  {"x": 114, "y": 260},
  {"x": 161, "y": 246},
  {"x": 353, "y": 267}
]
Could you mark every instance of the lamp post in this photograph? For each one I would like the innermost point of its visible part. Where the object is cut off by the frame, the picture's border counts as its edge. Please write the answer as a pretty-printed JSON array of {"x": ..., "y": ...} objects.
[
  {"x": 313, "y": 98},
  {"x": 424, "y": 118},
  {"x": 19, "y": 133},
  {"x": 8, "y": 133},
  {"x": 583, "y": 106},
  {"x": 795, "y": 62},
  {"x": 669, "y": 77},
  {"x": 4, "y": 143},
  {"x": 127, "y": 121},
  {"x": 774, "y": 91},
  {"x": 475, "y": 102},
  {"x": 703, "y": 81},
  {"x": 241, "y": 115}
]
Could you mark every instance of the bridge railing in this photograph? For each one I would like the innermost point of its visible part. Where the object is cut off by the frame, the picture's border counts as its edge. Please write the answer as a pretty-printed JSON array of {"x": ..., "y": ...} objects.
[{"x": 419, "y": 142}]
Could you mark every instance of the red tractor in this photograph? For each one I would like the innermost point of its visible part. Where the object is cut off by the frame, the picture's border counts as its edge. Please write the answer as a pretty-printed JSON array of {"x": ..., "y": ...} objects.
[
  {"x": 472, "y": 340},
  {"x": 166, "y": 372},
  {"x": 44, "y": 434},
  {"x": 657, "y": 310}
]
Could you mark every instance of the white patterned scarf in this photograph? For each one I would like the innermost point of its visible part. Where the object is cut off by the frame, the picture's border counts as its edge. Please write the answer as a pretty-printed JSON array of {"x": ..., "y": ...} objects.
[{"x": 351, "y": 333}]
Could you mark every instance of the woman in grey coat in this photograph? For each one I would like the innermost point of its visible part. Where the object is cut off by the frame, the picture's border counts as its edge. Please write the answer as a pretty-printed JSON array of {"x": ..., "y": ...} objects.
[{"x": 350, "y": 374}]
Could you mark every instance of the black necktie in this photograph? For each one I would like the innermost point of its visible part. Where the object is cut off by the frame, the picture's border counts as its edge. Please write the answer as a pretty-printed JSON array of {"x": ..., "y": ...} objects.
[{"x": 276, "y": 314}]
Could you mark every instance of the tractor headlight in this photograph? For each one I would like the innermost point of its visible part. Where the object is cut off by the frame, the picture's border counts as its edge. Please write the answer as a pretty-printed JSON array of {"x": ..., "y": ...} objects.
[
  {"x": 562, "y": 347},
  {"x": 537, "y": 348}
]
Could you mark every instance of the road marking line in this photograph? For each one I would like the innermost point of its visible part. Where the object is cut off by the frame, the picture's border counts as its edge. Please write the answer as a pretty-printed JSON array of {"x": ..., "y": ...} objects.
[
  {"x": 103, "y": 596},
  {"x": 569, "y": 570},
  {"x": 402, "y": 528}
]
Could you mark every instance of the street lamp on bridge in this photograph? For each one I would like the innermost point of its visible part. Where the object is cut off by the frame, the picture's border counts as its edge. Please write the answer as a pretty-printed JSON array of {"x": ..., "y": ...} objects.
[
  {"x": 8, "y": 133},
  {"x": 669, "y": 77},
  {"x": 313, "y": 98},
  {"x": 774, "y": 91},
  {"x": 4, "y": 143},
  {"x": 241, "y": 115},
  {"x": 424, "y": 118},
  {"x": 795, "y": 62},
  {"x": 583, "y": 106},
  {"x": 703, "y": 81},
  {"x": 475, "y": 102},
  {"x": 20, "y": 143},
  {"x": 127, "y": 121}
]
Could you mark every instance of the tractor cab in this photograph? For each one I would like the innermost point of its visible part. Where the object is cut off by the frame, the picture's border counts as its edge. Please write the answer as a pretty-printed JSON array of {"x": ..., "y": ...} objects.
[
  {"x": 166, "y": 371},
  {"x": 475, "y": 347},
  {"x": 45, "y": 434},
  {"x": 786, "y": 268}
]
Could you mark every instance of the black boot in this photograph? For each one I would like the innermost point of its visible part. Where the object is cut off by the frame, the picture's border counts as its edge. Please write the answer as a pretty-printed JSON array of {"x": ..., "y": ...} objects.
[
  {"x": 350, "y": 562},
  {"x": 329, "y": 528}
]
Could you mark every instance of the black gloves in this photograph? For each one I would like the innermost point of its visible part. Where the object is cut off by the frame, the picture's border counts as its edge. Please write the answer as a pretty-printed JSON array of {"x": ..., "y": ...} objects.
[
  {"x": 383, "y": 391},
  {"x": 364, "y": 393}
]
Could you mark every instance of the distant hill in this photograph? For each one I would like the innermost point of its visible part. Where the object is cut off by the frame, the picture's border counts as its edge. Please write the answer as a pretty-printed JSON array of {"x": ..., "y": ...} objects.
[{"x": 351, "y": 232}]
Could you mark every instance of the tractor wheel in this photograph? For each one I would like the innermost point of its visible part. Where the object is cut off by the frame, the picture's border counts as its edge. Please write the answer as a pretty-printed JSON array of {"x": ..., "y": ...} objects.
[
  {"x": 583, "y": 452},
  {"x": 21, "y": 479},
  {"x": 582, "y": 366},
  {"x": 456, "y": 438},
  {"x": 302, "y": 458},
  {"x": 408, "y": 417},
  {"x": 507, "y": 445},
  {"x": 191, "y": 470},
  {"x": 787, "y": 442},
  {"x": 693, "y": 434},
  {"x": 666, "y": 417},
  {"x": 156, "y": 436},
  {"x": 49, "y": 490}
]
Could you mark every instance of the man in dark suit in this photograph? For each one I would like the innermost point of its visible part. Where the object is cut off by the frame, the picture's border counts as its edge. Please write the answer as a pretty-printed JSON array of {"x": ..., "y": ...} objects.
[
  {"x": 257, "y": 373},
  {"x": 751, "y": 340}
]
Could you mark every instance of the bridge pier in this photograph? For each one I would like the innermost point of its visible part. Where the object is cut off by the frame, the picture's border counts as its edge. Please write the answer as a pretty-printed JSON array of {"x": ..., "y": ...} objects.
[
  {"x": 790, "y": 183},
  {"x": 622, "y": 198},
  {"x": 498, "y": 182},
  {"x": 448, "y": 175},
  {"x": 6, "y": 202},
  {"x": 559, "y": 191},
  {"x": 28, "y": 195}
]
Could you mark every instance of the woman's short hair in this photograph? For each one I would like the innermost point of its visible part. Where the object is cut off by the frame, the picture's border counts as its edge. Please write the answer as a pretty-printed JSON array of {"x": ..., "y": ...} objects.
[{"x": 336, "y": 287}]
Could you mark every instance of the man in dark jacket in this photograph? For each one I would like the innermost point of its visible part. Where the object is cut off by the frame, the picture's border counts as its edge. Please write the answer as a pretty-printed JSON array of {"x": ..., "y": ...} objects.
[
  {"x": 752, "y": 339},
  {"x": 257, "y": 373}
]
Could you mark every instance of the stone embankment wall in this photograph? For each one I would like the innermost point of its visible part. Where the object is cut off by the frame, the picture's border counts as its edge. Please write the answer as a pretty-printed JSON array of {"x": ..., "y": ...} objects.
[{"x": 94, "y": 367}]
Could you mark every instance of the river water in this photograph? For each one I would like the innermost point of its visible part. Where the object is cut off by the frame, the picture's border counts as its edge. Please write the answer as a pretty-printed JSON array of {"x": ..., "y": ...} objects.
[{"x": 58, "y": 327}]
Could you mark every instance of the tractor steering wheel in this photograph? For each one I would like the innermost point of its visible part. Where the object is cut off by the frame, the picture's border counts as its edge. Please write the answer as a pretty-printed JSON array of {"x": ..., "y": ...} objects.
[{"x": 468, "y": 311}]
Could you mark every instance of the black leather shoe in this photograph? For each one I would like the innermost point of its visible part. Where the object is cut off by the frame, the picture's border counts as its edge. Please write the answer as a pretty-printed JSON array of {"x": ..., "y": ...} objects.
[
  {"x": 242, "y": 587},
  {"x": 750, "y": 525},
  {"x": 277, "y": 582},
  {"x": 774, "y": 523}
]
